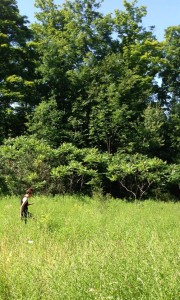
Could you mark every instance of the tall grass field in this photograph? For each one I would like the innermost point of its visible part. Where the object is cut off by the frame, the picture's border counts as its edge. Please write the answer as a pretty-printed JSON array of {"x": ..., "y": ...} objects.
[{"x": 81, "y": 248}]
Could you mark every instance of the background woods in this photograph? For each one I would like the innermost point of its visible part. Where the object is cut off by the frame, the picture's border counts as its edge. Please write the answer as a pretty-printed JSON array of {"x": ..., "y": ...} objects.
[{"x": 88, "y": 101}]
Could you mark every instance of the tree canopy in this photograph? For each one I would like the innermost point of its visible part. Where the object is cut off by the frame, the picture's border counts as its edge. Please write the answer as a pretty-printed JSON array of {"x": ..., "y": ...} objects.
[{"x": 95, "y": 81}]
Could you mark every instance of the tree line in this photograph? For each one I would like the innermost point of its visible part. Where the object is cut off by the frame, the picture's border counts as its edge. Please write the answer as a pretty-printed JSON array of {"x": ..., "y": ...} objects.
[{"x": 88, "y": 101}]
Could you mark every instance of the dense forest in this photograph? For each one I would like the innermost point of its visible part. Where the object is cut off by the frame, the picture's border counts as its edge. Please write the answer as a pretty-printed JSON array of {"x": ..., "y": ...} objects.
[{"x": 88, "y": 102}]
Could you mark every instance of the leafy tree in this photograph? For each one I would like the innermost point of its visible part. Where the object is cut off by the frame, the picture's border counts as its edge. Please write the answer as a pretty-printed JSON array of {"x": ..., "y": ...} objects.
[
  {"x": 16, "y": 74},
  {"x": 30, "y": 161},
  {"x": 25, "y": 161},
  {"x": 45, "y": 121},
  {"x": 137, "y": 173},
  {"x": 174, "y": 175},
  {"x": 170, "y": 70},
  {"x": 170, "y": 91},
  {"x": 151, "y": 131},
  {"x": 79, "y": 170},
  {"x": 67, "y": 40},
  {"x": 100, "y": 70},
  {"x": 123, "y": 82},
  {"x": 173, "y": 134}
]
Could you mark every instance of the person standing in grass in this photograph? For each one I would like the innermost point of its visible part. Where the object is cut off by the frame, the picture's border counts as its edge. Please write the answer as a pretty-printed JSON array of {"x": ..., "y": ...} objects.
[{"x": 24, "y": 214}]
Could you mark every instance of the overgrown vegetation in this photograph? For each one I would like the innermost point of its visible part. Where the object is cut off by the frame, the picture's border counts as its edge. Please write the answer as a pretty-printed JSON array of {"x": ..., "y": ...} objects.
[
  {"x": 26, "y": 161},
  {"x": 82, "y": 248},
  {"x": 88, "y": 101}
]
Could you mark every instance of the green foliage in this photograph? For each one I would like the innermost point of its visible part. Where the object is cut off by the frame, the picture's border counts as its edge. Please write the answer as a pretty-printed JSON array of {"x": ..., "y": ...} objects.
[
  {"x": 80, "y": 88},
  {"x": 45, "y": 121},
  {"x": 17, "y": 87},
  {"x": 79, "y": 170},
  {"x": 151, "y": 132},
  {"x": 137, "y": 173},
  {"x": 25, "y": 162},
  {"x": 81, "y": 248},
  {"x": 173, "y": 133},
  {"x": 28, "y": 161},
  {"x": 169, "y": 94},
  {"x": 170, "y": 72},
  {"x": 97, "y": 80},
  {"x": 174, "y": 174}
]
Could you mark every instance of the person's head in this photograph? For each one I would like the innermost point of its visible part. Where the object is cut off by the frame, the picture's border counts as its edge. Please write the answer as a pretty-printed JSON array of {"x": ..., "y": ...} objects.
[{"x": 29, "y": 192}]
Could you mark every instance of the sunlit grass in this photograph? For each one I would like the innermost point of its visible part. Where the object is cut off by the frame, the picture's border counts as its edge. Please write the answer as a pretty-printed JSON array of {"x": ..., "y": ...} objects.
[{"x": 79, "y": 248}]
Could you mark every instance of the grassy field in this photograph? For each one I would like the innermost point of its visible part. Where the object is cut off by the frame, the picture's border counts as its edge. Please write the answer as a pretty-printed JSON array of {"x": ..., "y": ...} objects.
[{"x": 82, "y": 248}]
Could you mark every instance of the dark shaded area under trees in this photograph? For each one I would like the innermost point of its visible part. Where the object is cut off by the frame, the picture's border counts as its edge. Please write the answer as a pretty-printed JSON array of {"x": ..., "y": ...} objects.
[{"x": 88, "y": 102}]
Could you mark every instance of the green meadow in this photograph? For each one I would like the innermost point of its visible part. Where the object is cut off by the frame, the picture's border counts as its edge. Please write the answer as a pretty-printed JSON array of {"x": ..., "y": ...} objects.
[{"x": 82, "y": 248}]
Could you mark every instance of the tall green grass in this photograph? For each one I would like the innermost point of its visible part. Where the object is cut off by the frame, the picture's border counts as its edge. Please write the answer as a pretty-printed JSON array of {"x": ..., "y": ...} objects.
[{"x": 82, "y": 248}]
